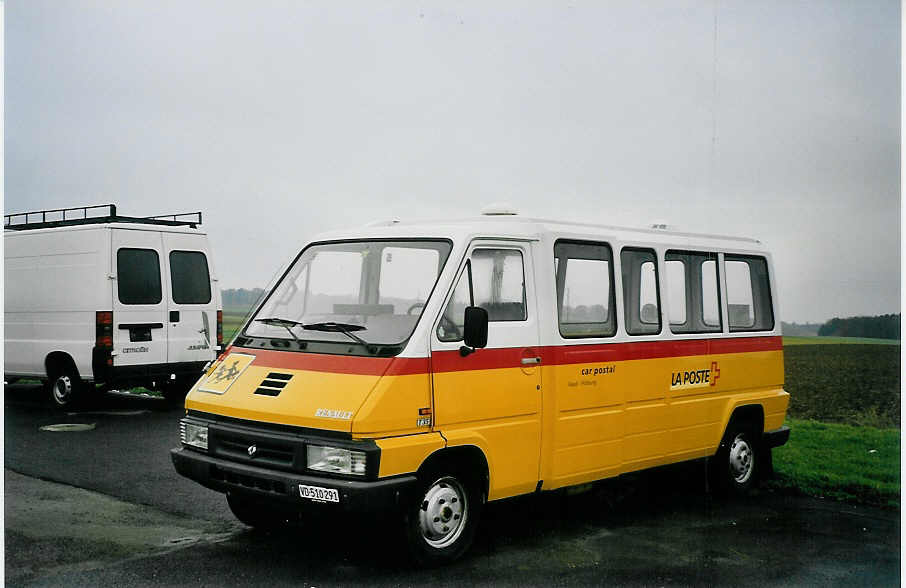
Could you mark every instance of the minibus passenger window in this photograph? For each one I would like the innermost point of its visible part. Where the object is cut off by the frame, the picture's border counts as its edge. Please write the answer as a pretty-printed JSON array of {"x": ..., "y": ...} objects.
[
  {"x": 641, "y": 307},
  {"x": 498, "y": 283},
  {"x": 138, "y": 276},
  {"x": 693, "y": 293},
  {"x": 748, "y": 294},
  {"x": 676, "y": 292},
  {"x": 710, "y": 304},
  {"x": 739, "y": 295},
  {"x": 584, "y": 289}
]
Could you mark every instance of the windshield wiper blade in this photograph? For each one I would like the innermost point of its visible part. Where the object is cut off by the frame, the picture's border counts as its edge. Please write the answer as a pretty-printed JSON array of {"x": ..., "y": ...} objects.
[
  {"x": 345, "y": 328},
  {"x": 285, "y": 323}
]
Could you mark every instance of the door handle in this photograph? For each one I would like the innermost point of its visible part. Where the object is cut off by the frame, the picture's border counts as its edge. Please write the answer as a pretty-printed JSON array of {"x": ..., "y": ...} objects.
[{"x": 531, "y": 360}]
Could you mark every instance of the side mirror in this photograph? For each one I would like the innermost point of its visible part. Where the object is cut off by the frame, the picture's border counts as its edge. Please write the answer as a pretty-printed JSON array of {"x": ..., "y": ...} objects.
[{"x": 475, "y": 334}]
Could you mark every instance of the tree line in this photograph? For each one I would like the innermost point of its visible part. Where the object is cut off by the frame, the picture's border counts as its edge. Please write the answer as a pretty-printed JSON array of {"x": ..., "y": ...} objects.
[{"x": 885, "y": 326}]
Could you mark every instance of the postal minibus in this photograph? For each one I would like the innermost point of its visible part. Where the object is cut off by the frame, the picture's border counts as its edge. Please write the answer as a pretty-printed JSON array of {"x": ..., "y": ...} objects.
[{"x": 428, "y": 368}]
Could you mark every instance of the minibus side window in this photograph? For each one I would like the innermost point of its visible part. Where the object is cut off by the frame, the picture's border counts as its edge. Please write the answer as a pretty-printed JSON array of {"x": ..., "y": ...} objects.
[
  {"x": 452, "y": 322},
  {"x": 498, "y": 283},
  {"x": 138, "y": 276},
  {"x": 693, "y": 293},
  {"x": 641, "y": 302},
  {"x": 748, "y": 294},
  {"x": 585, "y": 297}
]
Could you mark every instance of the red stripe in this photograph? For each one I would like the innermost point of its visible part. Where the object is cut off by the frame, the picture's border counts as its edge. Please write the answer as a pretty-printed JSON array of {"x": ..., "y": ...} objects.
[
  {"x": 487, "y": 359},
  {"x": 344, "y": 364}
]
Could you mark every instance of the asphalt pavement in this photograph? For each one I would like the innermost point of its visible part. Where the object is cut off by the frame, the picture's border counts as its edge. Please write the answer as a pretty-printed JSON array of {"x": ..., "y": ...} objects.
[{"x": 104, "y": 507}]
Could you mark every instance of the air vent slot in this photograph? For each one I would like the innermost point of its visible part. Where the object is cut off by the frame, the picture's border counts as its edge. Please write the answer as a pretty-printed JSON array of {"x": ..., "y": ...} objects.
[{"x": 273, "y": 384}]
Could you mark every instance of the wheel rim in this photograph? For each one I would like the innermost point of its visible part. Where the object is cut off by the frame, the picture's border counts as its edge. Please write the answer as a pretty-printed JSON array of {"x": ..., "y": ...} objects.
[
  {"x": 742, "y": 460},
  {"x": 443, "y": 512},
  {"x": 62, "y": 390}
]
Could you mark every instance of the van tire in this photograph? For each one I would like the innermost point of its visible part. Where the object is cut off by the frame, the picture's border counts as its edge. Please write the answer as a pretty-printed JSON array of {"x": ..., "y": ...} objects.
[
  {"x": 64, "y": 386},
  {"x": 442, "y": 517},
  {"x": 735, "y": 467},
  {"x": 175, "y": 391},
  {"x": 258, "y": 515}
]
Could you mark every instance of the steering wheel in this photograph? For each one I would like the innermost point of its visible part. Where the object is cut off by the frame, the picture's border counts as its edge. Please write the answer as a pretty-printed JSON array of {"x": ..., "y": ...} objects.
[{"x": 414, "y": 306}]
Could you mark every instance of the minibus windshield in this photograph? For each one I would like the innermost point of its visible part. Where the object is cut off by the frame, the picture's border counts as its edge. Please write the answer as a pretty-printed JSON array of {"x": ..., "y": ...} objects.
[{"x": 360, "y": 293}]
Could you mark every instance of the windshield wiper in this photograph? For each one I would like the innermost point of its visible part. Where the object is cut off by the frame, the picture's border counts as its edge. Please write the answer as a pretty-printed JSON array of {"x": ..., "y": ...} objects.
[
  {"x": 286, "y": 324},
  {"x": 345, "y": 328}
]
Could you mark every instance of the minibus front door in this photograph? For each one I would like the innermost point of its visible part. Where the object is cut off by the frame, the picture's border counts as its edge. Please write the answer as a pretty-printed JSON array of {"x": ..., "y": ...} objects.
[{"x": 491, "y": 397}]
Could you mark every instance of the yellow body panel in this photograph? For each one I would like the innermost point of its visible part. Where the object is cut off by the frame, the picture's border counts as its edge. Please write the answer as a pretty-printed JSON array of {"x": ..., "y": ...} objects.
[{"x": 561, "y": 424}]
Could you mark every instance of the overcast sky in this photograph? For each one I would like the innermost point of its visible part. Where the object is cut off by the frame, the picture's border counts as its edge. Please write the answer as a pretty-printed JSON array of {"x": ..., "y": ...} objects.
[{"x": 279, "y": 120}]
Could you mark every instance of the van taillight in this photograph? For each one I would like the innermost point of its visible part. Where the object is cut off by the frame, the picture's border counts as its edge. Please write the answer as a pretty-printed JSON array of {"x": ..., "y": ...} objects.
[
  {"x": 220, "y": 327},
  {"x": 103, "y": 329}
]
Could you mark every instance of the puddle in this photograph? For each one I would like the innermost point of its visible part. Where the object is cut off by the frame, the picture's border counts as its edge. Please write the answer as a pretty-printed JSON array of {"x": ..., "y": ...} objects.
[{"x": 69, "y": 427}]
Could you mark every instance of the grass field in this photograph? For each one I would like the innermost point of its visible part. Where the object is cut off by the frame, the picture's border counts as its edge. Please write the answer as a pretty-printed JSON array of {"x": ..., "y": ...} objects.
[
  {"x": 837, "y": 341},
  {"x": 848, "y": 384},
  {"x": 840, "y": 462}
]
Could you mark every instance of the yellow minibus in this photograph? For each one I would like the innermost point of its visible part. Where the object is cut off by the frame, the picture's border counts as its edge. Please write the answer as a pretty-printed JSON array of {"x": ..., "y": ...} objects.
[{"x": 431, "y": 367}]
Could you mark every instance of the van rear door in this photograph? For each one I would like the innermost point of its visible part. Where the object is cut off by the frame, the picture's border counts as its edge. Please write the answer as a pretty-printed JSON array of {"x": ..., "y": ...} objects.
[
  {"x": 139, "y": 304},
  {"x": 191, "y": 300}
]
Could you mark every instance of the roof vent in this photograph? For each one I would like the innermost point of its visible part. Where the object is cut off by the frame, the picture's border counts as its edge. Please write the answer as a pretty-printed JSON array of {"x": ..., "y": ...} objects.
[
  {"x": 384, "y": 223},
  {"x": 499, "y": 209}
]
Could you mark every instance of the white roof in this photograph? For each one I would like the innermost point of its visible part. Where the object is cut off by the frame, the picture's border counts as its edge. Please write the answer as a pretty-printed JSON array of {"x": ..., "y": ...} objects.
[{"x": 517, "y": 227}]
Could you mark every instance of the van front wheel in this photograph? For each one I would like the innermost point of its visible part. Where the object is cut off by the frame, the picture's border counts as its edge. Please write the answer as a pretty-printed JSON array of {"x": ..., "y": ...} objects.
[{"x": 440, "y": 525}]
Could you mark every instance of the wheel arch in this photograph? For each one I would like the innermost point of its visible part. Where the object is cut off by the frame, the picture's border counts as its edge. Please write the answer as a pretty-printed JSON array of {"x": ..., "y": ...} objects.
[
  {"x": 60, "y": 359},
  {"x": 466, "y": 458}
]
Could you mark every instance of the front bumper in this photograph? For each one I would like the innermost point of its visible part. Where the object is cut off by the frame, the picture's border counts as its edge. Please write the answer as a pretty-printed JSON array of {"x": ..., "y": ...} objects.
[
  {"x": 775, "y": 438},
  {"x": 283, "y": 487}
]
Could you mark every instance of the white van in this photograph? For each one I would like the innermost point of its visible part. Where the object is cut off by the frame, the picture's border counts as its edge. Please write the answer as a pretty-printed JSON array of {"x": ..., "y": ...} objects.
[{"x": 108, "y": 300}]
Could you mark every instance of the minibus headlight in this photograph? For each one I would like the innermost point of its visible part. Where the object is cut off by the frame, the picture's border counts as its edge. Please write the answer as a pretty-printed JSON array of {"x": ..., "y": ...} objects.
[
  {"x": 336, "y": 460},
  {"x": 193, "y": 434}
]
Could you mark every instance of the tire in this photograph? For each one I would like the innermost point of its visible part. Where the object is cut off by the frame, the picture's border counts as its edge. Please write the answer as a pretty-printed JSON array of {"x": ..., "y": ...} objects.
[
  {"x": 64, "y": 386},
  {"x": 175, "y": 391},
  {"x": 735, "y": 466},
  {"x": 442, "y": 519},
  {"x": 258, "y": 515}
]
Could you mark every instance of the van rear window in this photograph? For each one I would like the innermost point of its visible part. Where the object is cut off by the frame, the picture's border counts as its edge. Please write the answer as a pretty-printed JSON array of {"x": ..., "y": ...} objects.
[
  {"x": 189, "y": 277},
  {"x": 138, "y": 276}
]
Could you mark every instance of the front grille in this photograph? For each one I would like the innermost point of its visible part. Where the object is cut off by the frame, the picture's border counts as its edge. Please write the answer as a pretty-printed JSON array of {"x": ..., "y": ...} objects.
[
  {"x": 273, "y": 384},
  {"x": 248, "y": 481},
  {"x": 267, "y": 451}
]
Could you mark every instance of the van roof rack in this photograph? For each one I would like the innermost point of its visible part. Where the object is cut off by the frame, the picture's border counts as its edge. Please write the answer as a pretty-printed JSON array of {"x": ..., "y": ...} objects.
[{"x": 87, "y": 215}]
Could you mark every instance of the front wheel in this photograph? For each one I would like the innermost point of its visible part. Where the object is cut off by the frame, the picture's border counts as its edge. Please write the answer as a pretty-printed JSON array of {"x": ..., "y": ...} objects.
[
  {"x": 440, "y": 525},
  {"x": 735, "y": 467}
]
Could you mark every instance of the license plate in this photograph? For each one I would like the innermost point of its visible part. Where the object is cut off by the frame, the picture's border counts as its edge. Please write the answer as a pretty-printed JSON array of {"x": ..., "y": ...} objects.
[{"x": 319, "y": 494}]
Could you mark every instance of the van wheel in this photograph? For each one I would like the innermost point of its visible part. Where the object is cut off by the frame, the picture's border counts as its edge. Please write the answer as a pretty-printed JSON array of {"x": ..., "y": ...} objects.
[
  {"x": 441, "y": 523},
  {"x": 258, "y": 514},
  {"x": 64, "y": 386},
  {"x": 175, "y": 391},
  {"x": 735, "y": 467}
]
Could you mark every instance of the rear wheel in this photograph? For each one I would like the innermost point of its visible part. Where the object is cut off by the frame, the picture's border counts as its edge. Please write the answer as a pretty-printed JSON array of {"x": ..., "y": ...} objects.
[
  {"x": 441, "y": 522},
  {"x": 174, "y": 391},
  {"x": 65, "y": 387},
  {"x": 735, "y": 465},
  {"x": 259, "y": 515}
]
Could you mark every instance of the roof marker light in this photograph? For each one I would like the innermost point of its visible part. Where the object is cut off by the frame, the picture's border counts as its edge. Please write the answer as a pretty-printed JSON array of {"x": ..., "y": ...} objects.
[{"x": 499, "y": 209}]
